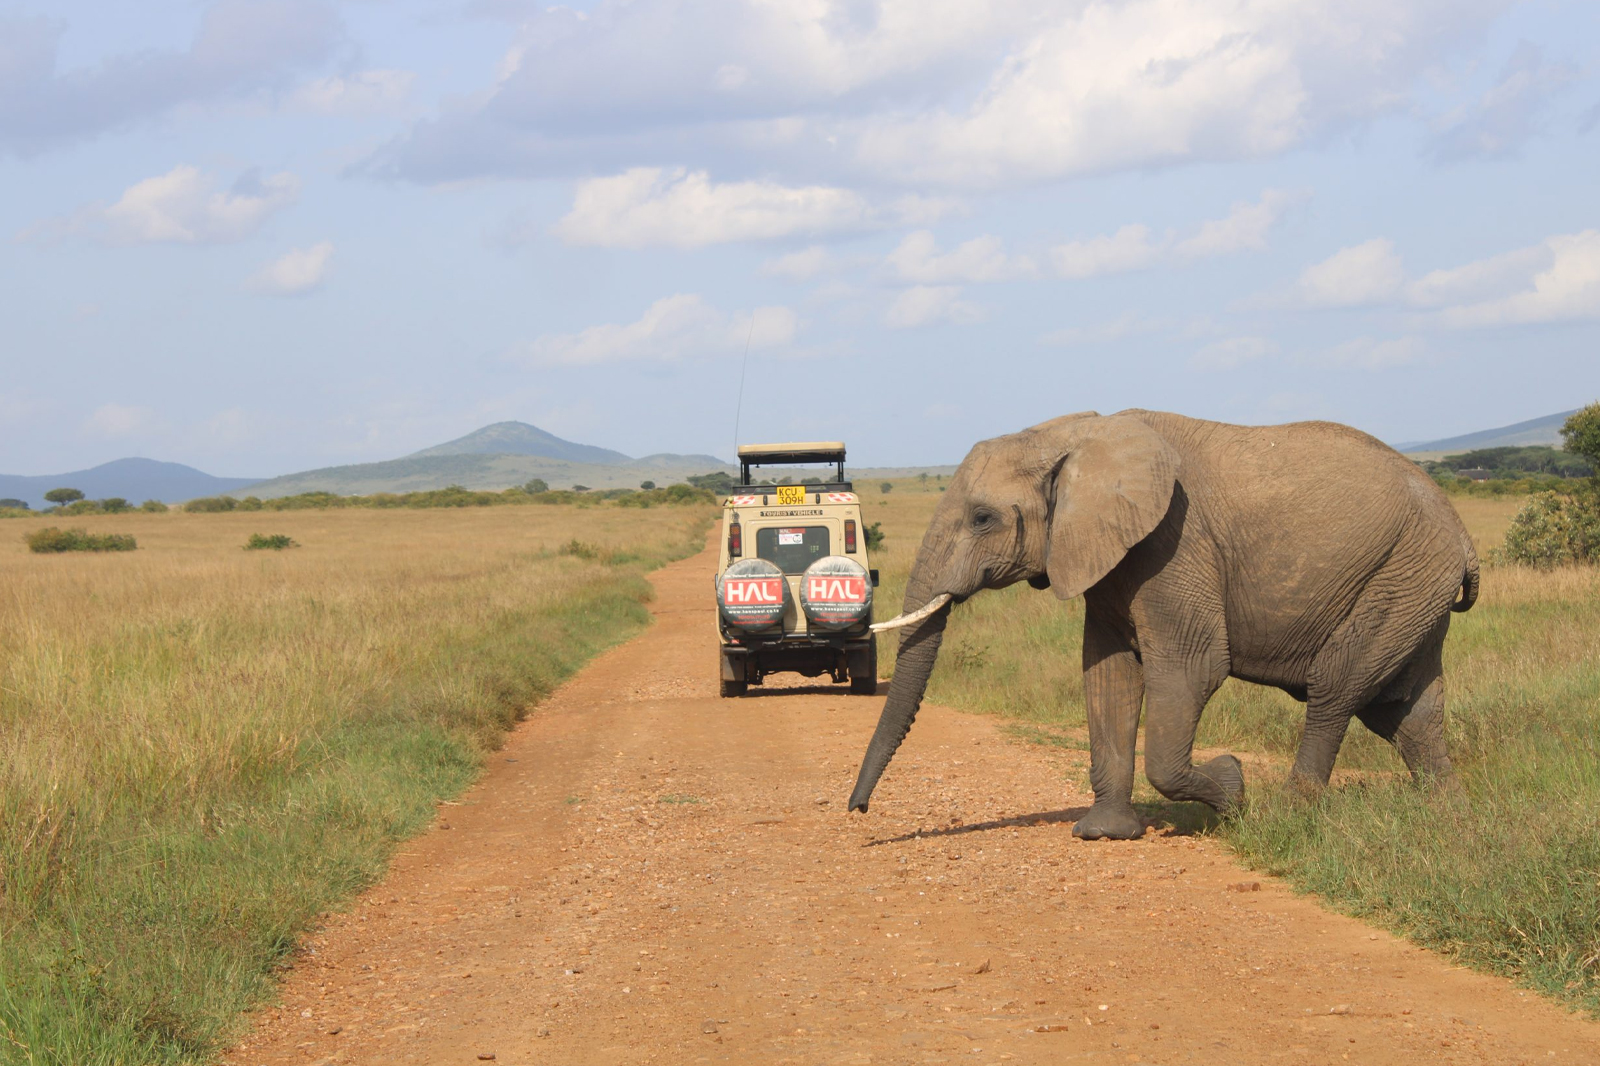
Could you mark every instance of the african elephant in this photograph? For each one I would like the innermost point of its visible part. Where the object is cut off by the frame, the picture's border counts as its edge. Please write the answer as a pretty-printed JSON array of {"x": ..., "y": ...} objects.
[{"x": 1307, "y": 556}]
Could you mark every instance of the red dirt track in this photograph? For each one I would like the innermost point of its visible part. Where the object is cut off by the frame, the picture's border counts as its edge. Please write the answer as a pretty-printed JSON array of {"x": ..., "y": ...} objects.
[{"x": 651, "y": 874}]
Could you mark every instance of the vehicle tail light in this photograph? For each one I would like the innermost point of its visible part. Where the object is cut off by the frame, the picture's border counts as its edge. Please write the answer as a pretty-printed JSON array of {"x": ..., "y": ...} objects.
[
  {"x": 736, "y": 540},
  {"x": 850, "y": 534}
]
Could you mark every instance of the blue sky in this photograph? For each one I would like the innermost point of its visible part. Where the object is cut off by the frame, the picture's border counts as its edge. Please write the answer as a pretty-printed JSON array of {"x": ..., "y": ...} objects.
[{"x": 264, "y": 235}]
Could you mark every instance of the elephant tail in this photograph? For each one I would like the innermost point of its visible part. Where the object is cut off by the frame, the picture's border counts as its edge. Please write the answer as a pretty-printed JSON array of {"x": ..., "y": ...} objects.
[{"x": 1469, "y": 583}]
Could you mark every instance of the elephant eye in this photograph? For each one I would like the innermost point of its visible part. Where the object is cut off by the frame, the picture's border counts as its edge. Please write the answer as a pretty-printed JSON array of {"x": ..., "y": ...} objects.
[{"x": 983, "y": 519}]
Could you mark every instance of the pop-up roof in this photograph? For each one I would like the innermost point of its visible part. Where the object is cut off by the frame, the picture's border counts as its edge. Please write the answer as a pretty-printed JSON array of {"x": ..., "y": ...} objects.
[{"x": 792, "y": 453}]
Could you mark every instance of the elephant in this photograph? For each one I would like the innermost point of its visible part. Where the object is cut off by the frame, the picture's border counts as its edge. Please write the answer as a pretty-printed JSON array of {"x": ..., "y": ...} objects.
[{"x": 1307, "y": 556}]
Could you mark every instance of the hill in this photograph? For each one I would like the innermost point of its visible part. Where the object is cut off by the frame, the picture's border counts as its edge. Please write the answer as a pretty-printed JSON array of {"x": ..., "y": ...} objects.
[
  {"x": 519, "y": 438},
  {"x": 135, "y": 480},
  {"x": 1545, "y": 430}
]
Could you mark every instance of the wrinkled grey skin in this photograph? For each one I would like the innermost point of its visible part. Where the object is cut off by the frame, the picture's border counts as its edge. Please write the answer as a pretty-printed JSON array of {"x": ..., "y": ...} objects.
[{"x": 1307, "y": 556}]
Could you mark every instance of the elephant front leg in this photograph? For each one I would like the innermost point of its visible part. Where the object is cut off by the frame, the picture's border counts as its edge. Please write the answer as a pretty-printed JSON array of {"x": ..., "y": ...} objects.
[{"x": 1113, "y": 690}]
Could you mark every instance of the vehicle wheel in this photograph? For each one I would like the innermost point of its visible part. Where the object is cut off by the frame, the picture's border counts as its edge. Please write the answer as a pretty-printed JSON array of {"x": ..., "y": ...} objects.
[{"x": 864, "y": 682}]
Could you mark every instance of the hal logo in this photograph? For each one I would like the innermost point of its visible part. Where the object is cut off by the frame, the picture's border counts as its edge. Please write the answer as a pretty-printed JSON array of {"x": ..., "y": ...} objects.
[
  {"x": 831, "y": 589},
  {"x": 753, "y": 590}
]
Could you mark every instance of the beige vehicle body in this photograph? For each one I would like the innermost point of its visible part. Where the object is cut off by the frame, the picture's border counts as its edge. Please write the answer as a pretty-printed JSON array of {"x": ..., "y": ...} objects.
[{"x": 794, "y": 527}]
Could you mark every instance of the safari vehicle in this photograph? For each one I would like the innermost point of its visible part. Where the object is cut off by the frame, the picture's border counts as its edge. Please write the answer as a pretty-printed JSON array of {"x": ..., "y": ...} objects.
[{"x": 794, "y": 586}]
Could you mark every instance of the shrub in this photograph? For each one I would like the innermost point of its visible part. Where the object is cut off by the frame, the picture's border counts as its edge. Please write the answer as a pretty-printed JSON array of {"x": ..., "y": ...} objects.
[
  {"x": 153, "y": 507},
  {"x": 580, "y": 488},
  {"x": 875, "y": 536},
  {"x": 115, "y": 505},
  {"x": 53, "y": 539},
  {"x": 269, "y": 541},
  {"x": 1580, "y": 433},
  {"x": 886, "y": 488},
  {"x": 211, "y": 504},
  {"x": 14, "y": 505},
  {"x": 647, "y": 485},
  {"x": 1554, "y": 529},
  {"x": 250, "y": 503}
]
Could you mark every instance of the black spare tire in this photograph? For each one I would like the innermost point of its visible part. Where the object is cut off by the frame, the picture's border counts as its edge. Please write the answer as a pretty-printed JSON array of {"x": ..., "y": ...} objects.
[
  {"x": 752, "y": 595},
  {"x": 836, "y": 593}
]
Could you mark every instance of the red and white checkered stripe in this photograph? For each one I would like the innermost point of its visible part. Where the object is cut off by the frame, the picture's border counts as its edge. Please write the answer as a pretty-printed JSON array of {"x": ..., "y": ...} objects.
[
  {"x": 743, "y": 501},
  {"x": 840, "y": 497}
]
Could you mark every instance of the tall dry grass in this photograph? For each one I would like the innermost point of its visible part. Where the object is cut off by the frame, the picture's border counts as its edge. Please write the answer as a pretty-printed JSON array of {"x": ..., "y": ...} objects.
[
  {"x": 1508, "y": 880},
  {"x": 201, "y": 747}
]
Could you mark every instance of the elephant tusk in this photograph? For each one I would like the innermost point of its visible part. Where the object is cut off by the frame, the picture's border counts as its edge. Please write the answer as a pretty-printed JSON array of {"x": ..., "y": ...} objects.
[{"x": 915, "y": 616}]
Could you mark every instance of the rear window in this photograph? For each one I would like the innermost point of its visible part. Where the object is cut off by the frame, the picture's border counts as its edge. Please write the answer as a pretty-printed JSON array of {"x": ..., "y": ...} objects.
[{"x": 792, "y": 548}]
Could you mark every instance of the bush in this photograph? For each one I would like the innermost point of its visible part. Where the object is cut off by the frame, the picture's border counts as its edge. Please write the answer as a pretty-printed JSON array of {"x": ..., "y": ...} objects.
[
  {"x": 1554, "y": 529},
  {"x": 647, "y": 485},
  {"x": 875, "y": 536},
  {"x": 269, "y": 541},
  {"x": 886, "y": 488},
  {"x": 53, "y": 539},
  {"x": 153, "y": 507},
  {"x": 250, "y": 503},
  {"x": 211, "y": 504},
  {"x": 115, "y": 505},
  {"x": 536, "y": 485}
]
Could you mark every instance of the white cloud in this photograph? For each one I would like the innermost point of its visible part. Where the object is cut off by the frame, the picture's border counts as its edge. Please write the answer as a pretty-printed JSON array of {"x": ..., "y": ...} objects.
[
  {"x": 1368, "y": 353},
  {"x": 685, "y": 209},
  {"x": 1499, "y": 122},
  {"x": 1232, "y": 353},
  {"x": 671, "y": 329},
  {"x": 367, "y": 92},
  {"x": 296, "y": 272},
  {"x": 981, "y": 259},
  {"x": 1363, "y": 274},
  {"x": 1136, "y": 247},
  {"x": 1564, "y": 284},
  {"x": 802, "y": 265},
  {"x": 182, "y": 206},
  {"x": 937, "y": 92},
  {"x": 923, "y": 305},
  {"x": 118, "y": 420}
]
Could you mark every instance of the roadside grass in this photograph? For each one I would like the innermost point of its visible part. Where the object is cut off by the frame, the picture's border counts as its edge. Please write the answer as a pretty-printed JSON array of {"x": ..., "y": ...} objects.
[
  {"x": 1505, "y": 877},
  {"x": 201, "y": 749}
]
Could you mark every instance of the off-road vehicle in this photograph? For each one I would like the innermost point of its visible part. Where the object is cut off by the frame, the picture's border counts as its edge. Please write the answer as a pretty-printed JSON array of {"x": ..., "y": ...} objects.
[{"x": 794, "y": 586}]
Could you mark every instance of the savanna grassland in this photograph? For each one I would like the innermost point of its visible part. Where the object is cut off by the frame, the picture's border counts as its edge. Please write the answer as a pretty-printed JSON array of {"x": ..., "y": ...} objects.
[
  {"x": 203, "y": 747},
  {"x": 1505, "y": 878}
]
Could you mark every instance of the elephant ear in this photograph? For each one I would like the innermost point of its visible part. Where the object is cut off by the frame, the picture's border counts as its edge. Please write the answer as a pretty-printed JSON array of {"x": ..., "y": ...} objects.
[{"x": 1112, "y": 486}]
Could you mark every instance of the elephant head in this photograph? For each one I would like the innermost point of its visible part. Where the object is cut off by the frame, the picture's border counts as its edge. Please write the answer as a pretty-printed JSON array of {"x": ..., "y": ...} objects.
[{"x": 1057, "y": 505}]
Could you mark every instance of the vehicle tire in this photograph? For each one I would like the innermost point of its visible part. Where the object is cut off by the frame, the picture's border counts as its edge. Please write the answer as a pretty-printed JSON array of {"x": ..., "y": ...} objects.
[{"x": 864, "y": 682}]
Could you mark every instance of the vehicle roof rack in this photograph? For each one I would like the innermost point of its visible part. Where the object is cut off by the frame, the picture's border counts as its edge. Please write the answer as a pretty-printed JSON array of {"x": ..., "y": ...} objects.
[{"x": 792, "y": 453}]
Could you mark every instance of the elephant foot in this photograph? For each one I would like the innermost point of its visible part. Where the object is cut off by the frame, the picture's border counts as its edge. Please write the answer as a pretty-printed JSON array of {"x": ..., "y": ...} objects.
[
  {"x": 1110, "y": 821},
  {"x": 1227, "y": 775},
  {"x": 1303, "y": 785}
]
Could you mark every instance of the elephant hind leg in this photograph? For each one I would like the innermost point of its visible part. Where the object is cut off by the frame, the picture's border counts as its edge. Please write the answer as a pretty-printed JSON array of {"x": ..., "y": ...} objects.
[{"x": 1414, "y": 721}]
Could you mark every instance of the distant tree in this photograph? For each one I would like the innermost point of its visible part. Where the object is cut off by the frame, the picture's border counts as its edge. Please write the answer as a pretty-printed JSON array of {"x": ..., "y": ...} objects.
[
  {"x": 153, "y": 507},
  {"x": 580, "y": 488},
  {"x": 14, "y": 505},
  {"x": 114, "y": 505},
  {"x": 63, "y": 497},
  {"x": 717, "y": 481},
  {"x": 537, "y": 484},
  {"x": 886, "y": 488},
  {"x": 923, "y": 477},
  {"x": 647, "y": 485},
  {"x": 1580, "y": 433}
]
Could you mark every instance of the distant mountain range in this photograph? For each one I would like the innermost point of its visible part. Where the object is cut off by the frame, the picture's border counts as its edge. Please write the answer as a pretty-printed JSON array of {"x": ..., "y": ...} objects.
[
  {"x": 1546, "y": 430},
  {"x": 496, "y": 457},
  {"x": 135, "y": 480}
]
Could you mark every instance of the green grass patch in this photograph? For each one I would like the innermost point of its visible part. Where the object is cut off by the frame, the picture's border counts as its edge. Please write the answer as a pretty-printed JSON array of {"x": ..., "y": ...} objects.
[{"x": 270, "y": 542}]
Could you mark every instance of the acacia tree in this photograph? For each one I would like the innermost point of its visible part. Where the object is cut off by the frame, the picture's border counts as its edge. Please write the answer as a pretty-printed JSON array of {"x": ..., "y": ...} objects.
[
  {"x": 1580, "y": 434},
  {"x": 62, "y": 497}
]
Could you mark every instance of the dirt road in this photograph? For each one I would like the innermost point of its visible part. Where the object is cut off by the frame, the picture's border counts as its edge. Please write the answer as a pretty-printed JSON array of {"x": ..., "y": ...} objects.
[{"x": 651, "y": 874}]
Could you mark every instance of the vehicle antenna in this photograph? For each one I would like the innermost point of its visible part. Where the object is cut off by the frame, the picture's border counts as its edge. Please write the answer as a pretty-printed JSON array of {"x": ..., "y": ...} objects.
[{"x": 738, "y": 408}]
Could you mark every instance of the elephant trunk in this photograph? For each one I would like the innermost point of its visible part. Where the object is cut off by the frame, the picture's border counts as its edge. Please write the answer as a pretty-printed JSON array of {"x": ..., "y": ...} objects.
[{"x": 919, "y": 648}]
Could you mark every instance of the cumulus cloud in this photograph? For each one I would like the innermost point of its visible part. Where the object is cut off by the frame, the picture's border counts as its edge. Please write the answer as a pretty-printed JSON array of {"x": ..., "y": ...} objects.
[
  {"x": 686, "y": 209},
  {"x": 1137, "y": 247},
  {"x": 1232, "y": 353},
  {"x": 296, "y": 272},
  {"x": 924, "y": 305},
  {"x": 1366, "y": 273},
  {"x": 182, "y": 206},
  {"x": 119, "y": 420},
  {"x": 983, "y": 258},
  {"x": 672, "y": 329},
  {"x": 241, "y": 46},
  {"x": 802, "y": 265},
  {"x": 935, "y": 92},
  {"x": 1559, "y": 281}
]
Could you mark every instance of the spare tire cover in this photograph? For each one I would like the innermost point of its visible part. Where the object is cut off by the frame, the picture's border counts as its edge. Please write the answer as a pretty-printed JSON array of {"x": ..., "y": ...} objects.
[
  {"x": 836, "y": 593},
  {"x": 752, "y": 595}
]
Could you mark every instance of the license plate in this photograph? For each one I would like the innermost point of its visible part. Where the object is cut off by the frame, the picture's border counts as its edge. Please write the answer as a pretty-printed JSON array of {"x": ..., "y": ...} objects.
[{"x": 791, "y": 494}]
